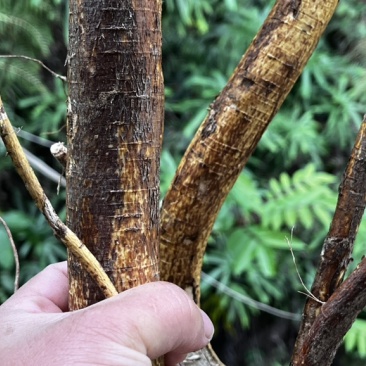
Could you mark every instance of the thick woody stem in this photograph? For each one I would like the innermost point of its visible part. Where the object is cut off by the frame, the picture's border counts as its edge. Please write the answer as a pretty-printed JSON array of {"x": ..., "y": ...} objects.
[
  {"x": 338, "y": 245},
  {"x": 336, "y": 317}
]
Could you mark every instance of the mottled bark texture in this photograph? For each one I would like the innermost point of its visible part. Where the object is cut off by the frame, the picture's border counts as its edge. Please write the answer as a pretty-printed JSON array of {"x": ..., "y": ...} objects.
[
  {"x": 335, "y": 256},
  {"x": 232, "y": 129},
  {"x": 115, "y": 114},
  {"x": 334, "y": 320}
]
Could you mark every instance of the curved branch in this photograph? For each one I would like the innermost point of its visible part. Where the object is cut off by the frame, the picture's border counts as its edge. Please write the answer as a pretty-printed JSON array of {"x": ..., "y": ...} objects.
[
  {"x": 61, "y": 231},
  {"x": 231, "y": 131}
]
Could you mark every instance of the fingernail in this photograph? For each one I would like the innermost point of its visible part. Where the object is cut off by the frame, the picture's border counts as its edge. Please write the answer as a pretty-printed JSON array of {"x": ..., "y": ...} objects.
[{"x": 207, "y": 323}]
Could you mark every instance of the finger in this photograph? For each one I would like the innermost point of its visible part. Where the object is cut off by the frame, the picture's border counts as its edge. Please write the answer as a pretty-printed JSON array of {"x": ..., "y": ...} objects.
[
  {"x": 154, "y": 319},
  {"x": 46, "y": 292}
]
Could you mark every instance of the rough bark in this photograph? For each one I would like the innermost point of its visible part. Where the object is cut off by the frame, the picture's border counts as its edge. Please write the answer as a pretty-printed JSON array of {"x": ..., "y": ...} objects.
[
  {"x": 114, "y": 137},
  {"x": 335, "y": 257},
  {"x": 231, "y": 131},
  {"x": 203, "y": 357},
  {"x": 60, "y": 230},
  {"x": 236, "y": 121},
  {"x": 320, "y": 344}
]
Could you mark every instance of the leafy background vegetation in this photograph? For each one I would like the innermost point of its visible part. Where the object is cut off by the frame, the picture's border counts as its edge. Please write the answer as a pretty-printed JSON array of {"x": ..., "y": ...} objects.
[{"x": 287, "y": 193}]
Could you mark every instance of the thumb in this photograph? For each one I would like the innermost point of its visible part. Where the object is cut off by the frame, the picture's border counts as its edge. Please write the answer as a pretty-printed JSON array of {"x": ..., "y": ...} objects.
[{"x": 154, "y": 319}]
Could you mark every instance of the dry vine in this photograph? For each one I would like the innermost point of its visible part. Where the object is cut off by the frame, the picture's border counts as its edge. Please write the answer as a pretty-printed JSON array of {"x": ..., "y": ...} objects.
[{"x": 61, "y": 231}]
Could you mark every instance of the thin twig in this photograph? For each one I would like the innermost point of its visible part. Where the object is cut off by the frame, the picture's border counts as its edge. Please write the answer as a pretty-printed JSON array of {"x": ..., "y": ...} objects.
[
  {"x": 63, "y": 78},
  {"x": 247, "y": 300},
  {"x": 308, "y": 292},
  {"x": 40, "y": 166},
  {"x": 15, "y": 254},
  {"x": 71, "y": 241}
]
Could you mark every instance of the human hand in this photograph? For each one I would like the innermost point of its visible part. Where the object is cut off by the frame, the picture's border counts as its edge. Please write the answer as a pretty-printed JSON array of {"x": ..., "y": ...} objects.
[{"x": 127, "y": 330}]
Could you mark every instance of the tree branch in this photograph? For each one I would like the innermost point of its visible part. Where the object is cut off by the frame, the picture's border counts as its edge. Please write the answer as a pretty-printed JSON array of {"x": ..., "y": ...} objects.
[
  {"x": 63, "y": 78},
  {"x": 320, "y": 344},
  {"x": 61, "y": 231},
  {"x": 338, "y": 245},
  {"x": 231, "y": 131}
]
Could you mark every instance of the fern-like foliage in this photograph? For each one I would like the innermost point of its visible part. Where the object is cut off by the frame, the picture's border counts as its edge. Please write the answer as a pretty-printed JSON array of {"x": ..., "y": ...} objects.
[
  {"x": 306, "y": 197},
  {"x": 355, "y": 339},
  {"x": 24, "y": 30},
  {"x": 293, "y": 137},
  {"x": 253, "y": 233}
]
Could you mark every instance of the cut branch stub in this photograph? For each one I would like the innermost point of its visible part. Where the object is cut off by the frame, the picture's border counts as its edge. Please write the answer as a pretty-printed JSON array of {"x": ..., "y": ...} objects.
[{"x": 59, "y": 151}]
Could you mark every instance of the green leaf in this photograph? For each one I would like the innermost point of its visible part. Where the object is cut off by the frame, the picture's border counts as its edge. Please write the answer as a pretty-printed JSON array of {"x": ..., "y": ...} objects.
[
  {"x": 242, "y": 249},
  {"x": 285, "y": 182},
  {"x": 275, "y": 187},
  {"x": 17, "y": 220},
  {"x": 306, "y": 217},
  {"x": 266, "y": 261},
  {"x": 361, "y": 346},
  {"x": 355, "y": 338},
  {"x": 276, "y": 239}
]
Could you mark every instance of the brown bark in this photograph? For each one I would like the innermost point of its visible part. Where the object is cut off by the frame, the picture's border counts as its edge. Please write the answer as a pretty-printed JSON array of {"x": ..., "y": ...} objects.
[
  {"x": 236, "y": 121},
  {"x": 334, "y": 320},
  {"x": 114, "y": 139},
  {"x": 61, "y": 231},
  {"x": 231, "y": 131},
  {"x": 335, "y": 257}
]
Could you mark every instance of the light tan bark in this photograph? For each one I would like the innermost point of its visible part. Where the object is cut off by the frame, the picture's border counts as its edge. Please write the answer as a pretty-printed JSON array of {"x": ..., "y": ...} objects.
[{"x": 236, "y": 121}]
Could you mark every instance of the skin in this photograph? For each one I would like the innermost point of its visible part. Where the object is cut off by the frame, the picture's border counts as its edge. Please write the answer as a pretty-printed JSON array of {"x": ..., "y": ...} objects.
[{"x": 127, "y": 330}]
